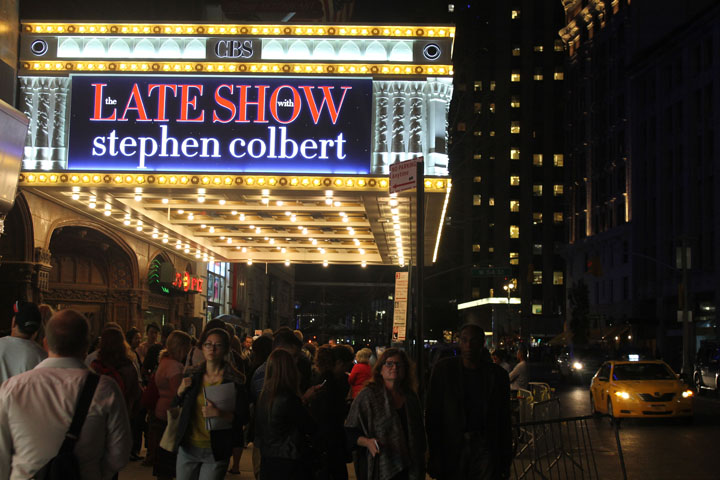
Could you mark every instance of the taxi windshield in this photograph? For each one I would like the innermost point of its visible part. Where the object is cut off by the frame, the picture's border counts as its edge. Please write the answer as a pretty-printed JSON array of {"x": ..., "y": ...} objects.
[{"x": 642, "y": 371}]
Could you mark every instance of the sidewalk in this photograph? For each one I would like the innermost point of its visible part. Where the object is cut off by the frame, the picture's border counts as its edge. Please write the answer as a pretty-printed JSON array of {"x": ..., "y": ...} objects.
[{"x": 135, "y": 470}]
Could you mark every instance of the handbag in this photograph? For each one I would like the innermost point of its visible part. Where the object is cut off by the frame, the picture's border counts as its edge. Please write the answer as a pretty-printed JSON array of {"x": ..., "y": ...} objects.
[{"x": 168, "y": 441}]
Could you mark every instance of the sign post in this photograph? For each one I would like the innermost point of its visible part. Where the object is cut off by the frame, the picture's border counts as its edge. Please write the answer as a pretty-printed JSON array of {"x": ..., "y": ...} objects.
[{"x": 399, "y": 329}]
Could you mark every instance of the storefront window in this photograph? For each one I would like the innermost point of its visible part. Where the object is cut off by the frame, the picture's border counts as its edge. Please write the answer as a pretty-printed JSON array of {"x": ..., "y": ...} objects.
[{"x": 217, "y": 278}]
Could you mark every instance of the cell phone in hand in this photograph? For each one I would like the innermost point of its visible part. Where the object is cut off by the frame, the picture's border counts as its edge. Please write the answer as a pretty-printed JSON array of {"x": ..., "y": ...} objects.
[{"x": 377, "y": 446}]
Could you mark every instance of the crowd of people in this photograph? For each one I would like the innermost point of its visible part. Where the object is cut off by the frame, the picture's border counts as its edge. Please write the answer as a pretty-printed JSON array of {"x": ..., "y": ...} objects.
[{"x": 308, "y": 410}]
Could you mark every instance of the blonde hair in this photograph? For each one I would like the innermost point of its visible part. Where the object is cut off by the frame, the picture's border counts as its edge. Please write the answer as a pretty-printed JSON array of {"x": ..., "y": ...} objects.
[
  {"x": 176, "y": 345},
  {"x": 363, "y": 355}
]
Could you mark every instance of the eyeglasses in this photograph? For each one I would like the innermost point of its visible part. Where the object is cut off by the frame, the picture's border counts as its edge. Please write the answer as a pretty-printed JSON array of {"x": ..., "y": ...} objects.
[
  {"x": 213, "y": 346},
  {"x": 391, "y": 364}
]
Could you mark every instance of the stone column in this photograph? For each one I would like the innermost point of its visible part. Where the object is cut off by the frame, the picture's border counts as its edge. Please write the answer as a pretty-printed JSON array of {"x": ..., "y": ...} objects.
[
  {"x": 399, "y": 134},
  {"x": 380, "y": 150},
  {"x": 417, "y": 119},
  {"x": 26, "y": 103},
  {"x": 59, "y": 155}
]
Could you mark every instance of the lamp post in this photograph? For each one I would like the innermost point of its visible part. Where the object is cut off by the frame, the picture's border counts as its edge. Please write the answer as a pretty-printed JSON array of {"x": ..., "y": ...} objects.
[{"x": 509, "y": 287}]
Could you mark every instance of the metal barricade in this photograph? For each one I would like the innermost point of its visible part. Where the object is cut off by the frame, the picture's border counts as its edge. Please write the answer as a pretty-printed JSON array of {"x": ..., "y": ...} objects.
[{"x": 560, "y": 448}]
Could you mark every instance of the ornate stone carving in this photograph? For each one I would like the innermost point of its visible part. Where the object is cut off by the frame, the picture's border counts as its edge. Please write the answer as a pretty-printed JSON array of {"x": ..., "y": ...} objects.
[{"x": 43, "y": 256}]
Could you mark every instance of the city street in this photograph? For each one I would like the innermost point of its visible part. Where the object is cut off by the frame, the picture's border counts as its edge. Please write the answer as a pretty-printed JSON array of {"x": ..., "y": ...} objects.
[{"x": 654, "y": 448}]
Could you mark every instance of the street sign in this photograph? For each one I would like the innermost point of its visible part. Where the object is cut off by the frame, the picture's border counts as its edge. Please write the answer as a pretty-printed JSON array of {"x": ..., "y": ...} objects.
[
  {"x": 403, "y": 175},
  {"x": 399, "y": 332},
  {"x": 491, "y": 272}
]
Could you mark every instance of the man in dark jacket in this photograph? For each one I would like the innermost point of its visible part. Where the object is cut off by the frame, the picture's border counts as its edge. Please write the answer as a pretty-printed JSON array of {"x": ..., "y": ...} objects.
[{"x": 468, "y": 414}]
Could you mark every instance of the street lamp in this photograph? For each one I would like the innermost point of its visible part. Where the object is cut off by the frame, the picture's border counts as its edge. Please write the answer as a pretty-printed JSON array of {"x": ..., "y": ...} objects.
[{"x": 509, "y": 288}]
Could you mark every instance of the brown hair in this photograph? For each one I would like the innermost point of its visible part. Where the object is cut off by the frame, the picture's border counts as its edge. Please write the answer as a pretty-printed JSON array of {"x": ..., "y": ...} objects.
[
  {"x": 114, "y": 351},
  {"x": 324, "y": 361},
  {"x": 281, "y": 376},
  {"x": 408, "y": 383}
]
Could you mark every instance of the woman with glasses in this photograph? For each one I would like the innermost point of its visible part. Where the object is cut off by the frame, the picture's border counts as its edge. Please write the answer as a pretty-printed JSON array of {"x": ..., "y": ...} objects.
[
  {"x": 386, "y": 423},
  {"x": 205, "y": 454}
]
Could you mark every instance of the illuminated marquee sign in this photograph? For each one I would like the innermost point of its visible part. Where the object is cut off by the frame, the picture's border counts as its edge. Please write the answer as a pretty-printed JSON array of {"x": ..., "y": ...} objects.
[{"x": 221, "y": 124}]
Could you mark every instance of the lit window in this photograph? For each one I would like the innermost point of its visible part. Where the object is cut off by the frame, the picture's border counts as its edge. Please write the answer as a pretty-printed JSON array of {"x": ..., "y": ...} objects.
[
  {"x": 514, "y": 258},
  {"x": 516, "y": 52},
  {"x": 515, "y": 101},
  {"x": 514, "y": 180},
  {"x": 476, "y": 247},
  {"x": 538, "y": 75},
  {"x": 537, "y": 190},
  {"x": 557, "y": 278},
  {"x": 558, "y": 217},
  {"x": 515, "y": 76},
  {"x": 492, "y": 133},
  {"x": 537, "y": 308},
  {"x": 514, "y": 205},
  {"x": 558, "y": 160},
  {"x": 477, "y": 156},
  {"x": 537, "y": 159},
  {"x": 514, "y": 231},
  {"x": 515, "y": 126},
  {"x": 557, "y": 190},
  {"x": 514, "y": 154},
  {"x": 477, "y": 107},
  {"x": 461, "y": 126},
  {"x": 491, "y": 201},
  {"x": 558, "y": 76},
  {"x": 559, "y": 45},
  {"x": 538, "y": 48},
  {"x": 537, "y": 249},
  {"x": 492, "y": 85},
  {"x": 514, "y": 14},
  {"x": 492, "y": 108},
  {"x": 491, "y": 249},
  {"x": 537, "y": 218},
  {"x": 476, "y": 292},
  {"x": 477, "y": 200},
  {"x": 477, "y": 179},
  {"x": 477, "y": 86},
  {"x": 477, "y": 133},
  {"x": 537, "y": 277}
]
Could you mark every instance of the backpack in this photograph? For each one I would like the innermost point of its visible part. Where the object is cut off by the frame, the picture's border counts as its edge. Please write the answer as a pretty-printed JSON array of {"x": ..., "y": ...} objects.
[
  {"x": 102, "y": 369},
  {"x": 64, "y": 466}
]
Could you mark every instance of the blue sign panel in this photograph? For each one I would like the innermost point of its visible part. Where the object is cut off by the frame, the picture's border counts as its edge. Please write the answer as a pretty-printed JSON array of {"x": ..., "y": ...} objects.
[{"x": 220, "y": 124}]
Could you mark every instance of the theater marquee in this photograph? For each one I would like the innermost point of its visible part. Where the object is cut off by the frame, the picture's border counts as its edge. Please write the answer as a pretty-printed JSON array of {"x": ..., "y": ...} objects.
[{"x": 252, "y": 143}]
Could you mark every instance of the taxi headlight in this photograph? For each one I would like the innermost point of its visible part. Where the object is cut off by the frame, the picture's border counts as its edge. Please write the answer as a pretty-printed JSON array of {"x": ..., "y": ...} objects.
[
  {"x": 577, "y": 366},
  {"x": 623, "y": 395},
  {"x": 687, "y": 394}
]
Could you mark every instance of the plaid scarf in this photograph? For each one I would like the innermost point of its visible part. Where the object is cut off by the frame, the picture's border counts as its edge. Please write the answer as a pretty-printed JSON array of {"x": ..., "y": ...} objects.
[{"x": 373, "y": 414}]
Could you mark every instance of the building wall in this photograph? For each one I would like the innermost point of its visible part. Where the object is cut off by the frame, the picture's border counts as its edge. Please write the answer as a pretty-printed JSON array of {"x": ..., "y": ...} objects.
[{"x": 508, "y": 116}]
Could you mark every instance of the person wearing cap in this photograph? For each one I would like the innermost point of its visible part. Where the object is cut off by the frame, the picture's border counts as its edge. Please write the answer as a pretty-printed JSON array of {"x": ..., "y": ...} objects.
[
  {"x": 19, "y": 352},
  {"x": 467, "y": 415}
]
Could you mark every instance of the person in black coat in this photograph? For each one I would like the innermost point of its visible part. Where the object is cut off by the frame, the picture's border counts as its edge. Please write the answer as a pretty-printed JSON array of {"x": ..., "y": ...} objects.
[
  {"x": 282, "y": 423},
  {"x": 467, "y": 414}
]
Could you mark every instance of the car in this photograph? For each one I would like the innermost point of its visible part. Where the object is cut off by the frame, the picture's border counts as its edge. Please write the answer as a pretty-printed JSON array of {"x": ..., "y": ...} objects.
[
  {"x": 579, "y": 363},
  {"x": 542, "y": 366},
  {"x": 639, "y": 389},
  {"x": 706, "y": 374}
]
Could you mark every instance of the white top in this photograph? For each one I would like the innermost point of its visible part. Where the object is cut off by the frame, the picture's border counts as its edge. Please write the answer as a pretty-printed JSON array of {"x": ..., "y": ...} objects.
[
  {"x": 18, "y": 355},
  {"x": 36, "y": 408},
  {"x": 519, "y": 376}
]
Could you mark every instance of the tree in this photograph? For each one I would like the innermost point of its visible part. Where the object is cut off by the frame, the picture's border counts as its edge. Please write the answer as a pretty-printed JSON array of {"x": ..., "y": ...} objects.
[{"x": 579, "y": 310}]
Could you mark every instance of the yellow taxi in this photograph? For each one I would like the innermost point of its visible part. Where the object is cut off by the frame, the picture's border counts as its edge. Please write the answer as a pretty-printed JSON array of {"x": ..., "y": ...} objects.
[{"x": 639, "y": 389}]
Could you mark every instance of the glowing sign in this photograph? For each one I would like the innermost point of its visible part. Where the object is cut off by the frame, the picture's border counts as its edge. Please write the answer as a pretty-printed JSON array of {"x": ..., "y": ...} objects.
[{"x": 220, "y": 124}]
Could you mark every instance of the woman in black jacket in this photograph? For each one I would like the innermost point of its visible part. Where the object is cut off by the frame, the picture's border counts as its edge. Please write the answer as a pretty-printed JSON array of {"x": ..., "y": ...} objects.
[
  {"x": 204, "y": 453},
  {"x": 282, "y": 423}
]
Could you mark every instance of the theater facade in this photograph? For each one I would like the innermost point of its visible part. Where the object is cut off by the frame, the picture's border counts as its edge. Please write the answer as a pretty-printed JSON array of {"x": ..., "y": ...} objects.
[{"x": 160, "y": 156}]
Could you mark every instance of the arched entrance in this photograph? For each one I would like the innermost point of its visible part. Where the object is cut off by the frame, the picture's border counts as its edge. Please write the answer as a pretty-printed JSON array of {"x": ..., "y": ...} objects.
[
  {"x": 23, "y": 270},
  {"x": 94, "y": 274}
]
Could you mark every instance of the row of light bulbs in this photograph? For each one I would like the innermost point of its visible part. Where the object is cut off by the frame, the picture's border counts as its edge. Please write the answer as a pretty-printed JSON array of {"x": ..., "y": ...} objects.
[{"x": 395, "y": 214}]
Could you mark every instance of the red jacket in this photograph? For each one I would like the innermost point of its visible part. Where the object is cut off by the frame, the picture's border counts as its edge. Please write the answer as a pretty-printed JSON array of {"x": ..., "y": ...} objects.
[{"x": 359, "y": 376}]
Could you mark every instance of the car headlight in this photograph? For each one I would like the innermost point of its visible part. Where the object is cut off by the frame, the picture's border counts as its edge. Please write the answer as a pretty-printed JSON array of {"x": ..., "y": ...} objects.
[
  {"x": 623, "y": 395},
  {"x": 687, "y": 394},
  {"x": 577, "y": 366}
]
